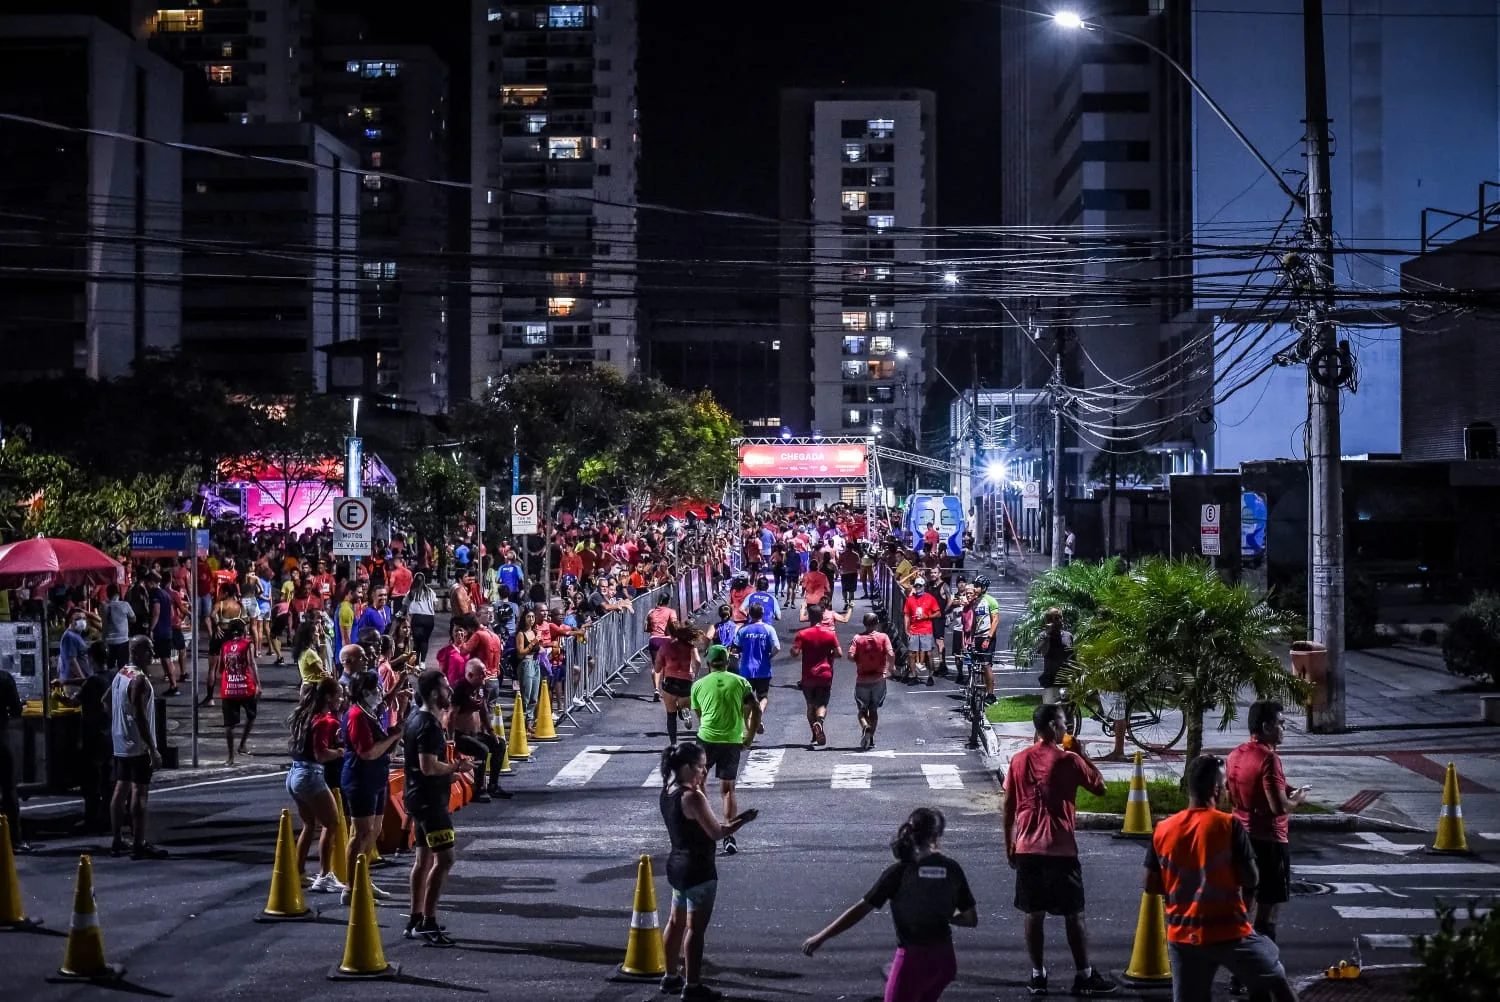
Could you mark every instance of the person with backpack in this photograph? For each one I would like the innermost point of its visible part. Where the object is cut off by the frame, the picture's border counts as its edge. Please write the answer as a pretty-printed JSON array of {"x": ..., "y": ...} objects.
[{"x": 1056, "y": 649}]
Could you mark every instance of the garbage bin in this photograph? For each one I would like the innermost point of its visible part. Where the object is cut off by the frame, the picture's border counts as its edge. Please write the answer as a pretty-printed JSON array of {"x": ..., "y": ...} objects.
[{"x": 1310, "y": 663}]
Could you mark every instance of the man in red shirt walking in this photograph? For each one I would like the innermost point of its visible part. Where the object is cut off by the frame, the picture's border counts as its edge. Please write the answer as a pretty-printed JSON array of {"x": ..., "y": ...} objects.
[
  {"x": 873, "y": 659},
  {"x": 819, "y": 647},
  {"x": 920, "y": 612},
  {"x": 1263, "y": 805},
  {"x": 1041, "y": 785}
]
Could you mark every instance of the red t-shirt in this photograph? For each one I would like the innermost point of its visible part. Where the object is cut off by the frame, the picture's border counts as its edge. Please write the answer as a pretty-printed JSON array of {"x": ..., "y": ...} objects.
[
  {"x": 361, "y": 738},
  {"x": 815, "y": 586},
  {"x": 658, "y": 619},
  {"x": 737, "y": 598},
  {"x": 1253, "y": 771},
  {"x": 400, "y": 581},
  {"x": 676, "y": 660},
  {"x": 1044, "y": 782},
  {"x": 325, "y": 734},
  {"x": 819, "y": 647},
  {"x": 870, "y": 652},
  {"x": 930, "y": 537},
  {"x": 927, "y": 606},
  {"x": 485, "y": 646}
]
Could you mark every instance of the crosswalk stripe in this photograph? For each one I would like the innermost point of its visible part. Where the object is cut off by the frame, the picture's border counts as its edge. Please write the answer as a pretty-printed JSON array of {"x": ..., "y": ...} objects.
[
  {"x": 1395, "y": 869},
  {"x": 853, "y": 776},
  {"x": 585, "y": 765},
  {"x": 942, "y": 776},
  {"x": 1388, "y": 914},
  {"x": 653, "y": 778},
  {"x": 1385, "y": 941},
  {"x": 761, "y": 768}
]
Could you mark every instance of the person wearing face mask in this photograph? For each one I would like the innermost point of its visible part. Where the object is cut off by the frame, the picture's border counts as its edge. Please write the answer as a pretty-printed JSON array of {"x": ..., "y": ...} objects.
[
  {"x": 73, "y": 653},
  {"x": 920, "y": 612}
]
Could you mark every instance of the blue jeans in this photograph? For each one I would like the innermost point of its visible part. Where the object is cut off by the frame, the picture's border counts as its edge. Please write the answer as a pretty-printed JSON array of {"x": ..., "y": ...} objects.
[{"x": 531, "y": 687}]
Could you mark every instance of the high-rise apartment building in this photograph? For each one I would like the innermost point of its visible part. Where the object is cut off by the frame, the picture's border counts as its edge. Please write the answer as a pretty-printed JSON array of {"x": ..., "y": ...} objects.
[
  {"x": 389, "y": 103},
  {"x": 858, "y": 200},
  {"x": 92, "y": 225},
  {"x": 254, "y": 55},
  {"x": 554, "y": 152}
]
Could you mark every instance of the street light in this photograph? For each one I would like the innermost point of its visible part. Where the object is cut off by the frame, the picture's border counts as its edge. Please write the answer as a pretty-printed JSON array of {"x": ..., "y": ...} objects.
[
  {"x": 902, "y": 354},
  {"x": 950, "y": 279},
  {"x": 994, "y": 471}
]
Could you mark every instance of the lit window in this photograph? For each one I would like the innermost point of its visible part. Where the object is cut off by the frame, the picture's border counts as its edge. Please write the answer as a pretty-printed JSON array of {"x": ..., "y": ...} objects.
[
  {"x": 855, "y": 201},
  {"x": 371, "y": 114},
  {"x": 373, "y": 181},
  {"x": 571, "y": 280},
  {"x": 201, "y": 187},
  {"x": 882, "y": 370},
  {"x": 880, "y": 128},
  {"x": 882, "y": 273},
  {"x": 352, "y": 66},
  {"x": 536, "y": 122},
  {"x": 566, "y": 15},
  {"x": 220, "y": 73},
  {"x": 226, "y": 50},
  {"x": 378, "y": 269},
  {"x": 179, "y": 20},
  {"x": 560, "y": 306},
  {"x": 882, "y": 177},
  {"x": 885, "y": 319},
  {"x": 374, "y": 133},
  {"x": 496, "y": 14},
  {"x": 853, "y": 370},
  {"x": 565, "y": 148},
  {"x": 853, "y": 418},
  {"x": 854, "y": 346},
  {"x": 882, "y": 222},
  {"x": 776, "y": 345},
  {"x": 373, "y": 68},
  {"x": 377, "y": 159},
  {"x": 880, "y": 345},
  {"x": 534, "y": 334},
  {"x": 853, "y": 153},
  {"x": 856, "y": 321},
  {"x": 527, "y": 96}
]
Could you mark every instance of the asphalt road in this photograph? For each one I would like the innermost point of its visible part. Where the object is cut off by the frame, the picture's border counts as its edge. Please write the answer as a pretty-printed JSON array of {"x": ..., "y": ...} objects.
[{"x": 541, "y": 895}]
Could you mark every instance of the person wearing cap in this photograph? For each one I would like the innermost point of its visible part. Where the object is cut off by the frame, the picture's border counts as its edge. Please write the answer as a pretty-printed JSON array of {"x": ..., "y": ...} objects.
[
  {"x": 920, "y": 612},
  {"x": 728, "y": 717}
]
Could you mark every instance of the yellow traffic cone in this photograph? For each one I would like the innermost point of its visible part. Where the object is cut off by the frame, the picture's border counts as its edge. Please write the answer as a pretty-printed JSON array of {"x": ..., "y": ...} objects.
[
  {"x": 497, "y": 719},
  {"x": 364, "y": 957},
  {"x": 338, "y": 859},
  {"x": 12, "y": 918},
  {"x": 505, "y": 769},
  {"x": 517, "y": 746},
  {"x": 285, "y": 902},
  {"x": 83, "y": 957},
  {"x": 1450, "y": 829},
  {"x": 1148, "y": 958},
  {"x": 645, "y": 956},
  {"x": 1138, "y": 823},
  {"x": 545, "y": 731}
]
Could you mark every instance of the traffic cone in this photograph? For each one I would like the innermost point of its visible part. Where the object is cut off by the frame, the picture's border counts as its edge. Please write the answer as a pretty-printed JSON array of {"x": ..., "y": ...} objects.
[
  {"x": 1148, "y": 958},
  {"x": 83, "y": 957},
  {"x": 338, "y": 859},
  {"x": 519, "y": 749},
  {"x": 285, "y": 902},
  {"x": 1450, "y": 829},
  {"x": 364, "y": 958},
  {"x": 545, "y": 731},
  {"x": 645, "y": 956},
  {"x": 505, "y": 769},
  {"x": 1138, "y": 822},
  {"x": 12, "y": 918},
  {"x": 497, "y": 719}
]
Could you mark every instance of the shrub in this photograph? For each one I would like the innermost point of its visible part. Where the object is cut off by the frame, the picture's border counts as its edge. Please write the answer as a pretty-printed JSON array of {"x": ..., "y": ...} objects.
[
  {"x": 1458, "y": 964},
  {"x": 1472, "y": 646}
]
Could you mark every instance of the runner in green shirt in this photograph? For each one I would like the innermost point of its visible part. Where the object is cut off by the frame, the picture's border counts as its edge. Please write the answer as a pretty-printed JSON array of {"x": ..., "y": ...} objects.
[{"x": 728, "y": 715}]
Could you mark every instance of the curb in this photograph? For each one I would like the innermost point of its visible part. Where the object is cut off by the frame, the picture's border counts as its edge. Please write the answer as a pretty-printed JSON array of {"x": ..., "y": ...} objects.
[{"x": 1305, "y": 983}]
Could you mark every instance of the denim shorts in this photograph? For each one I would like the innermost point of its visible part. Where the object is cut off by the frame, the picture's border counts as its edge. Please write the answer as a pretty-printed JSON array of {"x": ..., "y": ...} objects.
[
  {"x": 306, "y": 781},
  {"x": 698, "y": 898}
]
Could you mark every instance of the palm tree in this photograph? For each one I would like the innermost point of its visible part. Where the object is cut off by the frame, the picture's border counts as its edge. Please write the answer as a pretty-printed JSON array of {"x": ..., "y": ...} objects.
[
  {"x": 1175, "y": 629},
  {"x": 1074, "y": 588}
]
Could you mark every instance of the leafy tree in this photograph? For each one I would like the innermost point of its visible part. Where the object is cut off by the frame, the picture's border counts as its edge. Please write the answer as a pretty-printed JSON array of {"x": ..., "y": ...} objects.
[
  {"x": 1174, "y": 628},
  {"x": 288, "y": 447},
  {"x": 1471, "y": 647},
  {"x": 436, "y": 493},
  {"x": 1074, "y": 588}
]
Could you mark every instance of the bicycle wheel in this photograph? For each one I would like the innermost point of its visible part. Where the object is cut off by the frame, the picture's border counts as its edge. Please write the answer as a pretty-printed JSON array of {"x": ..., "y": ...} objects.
[
  {"x": 1155, "y": 723},
  {"x": 1112, "y": 707}
]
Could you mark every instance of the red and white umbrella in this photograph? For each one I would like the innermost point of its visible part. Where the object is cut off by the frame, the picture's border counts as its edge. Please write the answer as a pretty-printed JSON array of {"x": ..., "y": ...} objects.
[{"x": 44, "y": 563}]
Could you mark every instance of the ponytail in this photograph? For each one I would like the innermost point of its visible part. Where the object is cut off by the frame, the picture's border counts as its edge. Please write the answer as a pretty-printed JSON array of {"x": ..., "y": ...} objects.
[
  {"x": 675, "y": 757},
  {"x": 922, "y": 828}
]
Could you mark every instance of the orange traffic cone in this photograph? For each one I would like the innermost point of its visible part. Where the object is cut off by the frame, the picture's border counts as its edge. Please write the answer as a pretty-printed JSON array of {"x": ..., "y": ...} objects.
[
  {"x": 1450, "y": 830},
  {"x": 517, "y": 746},
  {"x": 12, "y": 918},
  {"x": 364, "y": 957},
  {"x": 645, "y": 956},
  {"x": 285, "y": 902},
  {"x": 83, "y": 957},
  {"x": 545, "y": 731},
  {"x": 1149, "y": 965}
]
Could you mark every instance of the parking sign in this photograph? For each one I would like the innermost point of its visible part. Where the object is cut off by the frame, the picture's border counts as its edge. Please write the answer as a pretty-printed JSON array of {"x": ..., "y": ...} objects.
[{"x": 353, "y": 529}]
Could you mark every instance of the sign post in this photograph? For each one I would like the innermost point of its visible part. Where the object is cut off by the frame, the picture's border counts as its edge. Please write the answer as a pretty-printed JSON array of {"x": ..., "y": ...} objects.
[
  {"x": 482, "y": 506},
  {"x": 354, "y": 466},
  {"x": 353, "y": 530},
  {"x": 196, "y": 622},
  {"x": 1208, "y": 530},
  {"x": 523, "y": 516}
]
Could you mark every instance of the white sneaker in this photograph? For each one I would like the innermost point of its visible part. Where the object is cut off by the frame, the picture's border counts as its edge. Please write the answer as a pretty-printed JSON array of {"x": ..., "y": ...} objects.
[{"x": 380, "y": 895}]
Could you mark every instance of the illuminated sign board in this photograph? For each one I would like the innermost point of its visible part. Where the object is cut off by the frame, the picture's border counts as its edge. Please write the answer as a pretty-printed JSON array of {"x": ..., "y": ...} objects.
[{"x": 794, "y": 461}]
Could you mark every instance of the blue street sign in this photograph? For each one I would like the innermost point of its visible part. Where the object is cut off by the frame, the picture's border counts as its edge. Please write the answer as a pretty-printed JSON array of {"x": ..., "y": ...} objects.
[
  {"x": 515, "y": 474},
  {"x": 166, "y": 542}
]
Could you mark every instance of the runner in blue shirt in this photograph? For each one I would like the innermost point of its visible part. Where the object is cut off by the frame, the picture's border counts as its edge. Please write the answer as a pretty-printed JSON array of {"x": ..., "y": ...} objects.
[
  {"x": 757, "y": 644},
  {"x": 762, "y": 596},
  {"x": 511, "y": 575}
]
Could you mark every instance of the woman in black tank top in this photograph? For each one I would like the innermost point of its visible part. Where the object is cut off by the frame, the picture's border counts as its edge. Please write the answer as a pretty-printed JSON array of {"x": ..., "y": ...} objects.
[{"x": 691, "y": 870}]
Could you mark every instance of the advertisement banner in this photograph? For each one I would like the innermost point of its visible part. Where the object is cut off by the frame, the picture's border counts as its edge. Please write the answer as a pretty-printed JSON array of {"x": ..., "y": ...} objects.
[{"x": 803, "y": 462}]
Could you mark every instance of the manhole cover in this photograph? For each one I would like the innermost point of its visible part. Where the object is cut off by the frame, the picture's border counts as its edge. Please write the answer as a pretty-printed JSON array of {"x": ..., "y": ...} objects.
[{"x": 1306, "y": 888}]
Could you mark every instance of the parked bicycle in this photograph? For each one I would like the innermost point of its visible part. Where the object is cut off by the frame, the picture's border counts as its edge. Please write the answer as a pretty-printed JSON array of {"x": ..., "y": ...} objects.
[{"x": 1153, "y": 721}]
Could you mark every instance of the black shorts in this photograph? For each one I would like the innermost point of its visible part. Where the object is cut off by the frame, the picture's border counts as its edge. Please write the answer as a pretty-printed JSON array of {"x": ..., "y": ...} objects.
[
  {"x": 431, "y": 826},
  {"x": 234, "y": 704},
  {"x": 161, "y": 647},
  {"x": 723, "y": 759},
  {"x": 364, "y": 801},
  {"x": 1051, "y": 884},
  {"x": 679, "y": 687},
  {"x": 760, "y": 686},
  {"x": 1274, "y": 860},
  {"x": 816, "y": 697},
  {"x": 133, "y": 769}
]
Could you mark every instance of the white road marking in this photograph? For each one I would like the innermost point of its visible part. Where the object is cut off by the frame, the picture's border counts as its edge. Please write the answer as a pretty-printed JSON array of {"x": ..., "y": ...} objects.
[
  {"x": 1379, "y": 843},
  {"x": 761, "y": 769},
  {"x": 851, "y": 776},
  {"x": 1362, "y": 889},
  {"x": 942, "y": 776},
  {"x": 1492, "y": 836},
  {"x": 585, "y": 765},
  {"x": 907, "y": 754},
  {"x": 167, "y": 791},
  {"x": 1385, "y": 941},
  {"x": 1389, "y": 914},
  {"x": 653, "y": 778},
  {"x": 1395, "y": 869}
]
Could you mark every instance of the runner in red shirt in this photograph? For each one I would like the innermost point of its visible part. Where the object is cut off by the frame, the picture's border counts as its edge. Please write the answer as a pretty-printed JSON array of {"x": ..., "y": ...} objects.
[
  {"x": 676, "y": 661},
  {"x": 819, "y": 647},
  {"x": 873, "y": 660},
  {"x": 920, "y": 612}
]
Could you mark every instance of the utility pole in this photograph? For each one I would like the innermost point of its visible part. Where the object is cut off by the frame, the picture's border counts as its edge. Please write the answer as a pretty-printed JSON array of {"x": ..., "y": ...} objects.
[
  {"x": 1109, "y": 528},
  {"x": 1058, "y": 453},
  {"x": 977, "y": 475},
  {"x": 1325, "y": 373}
]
